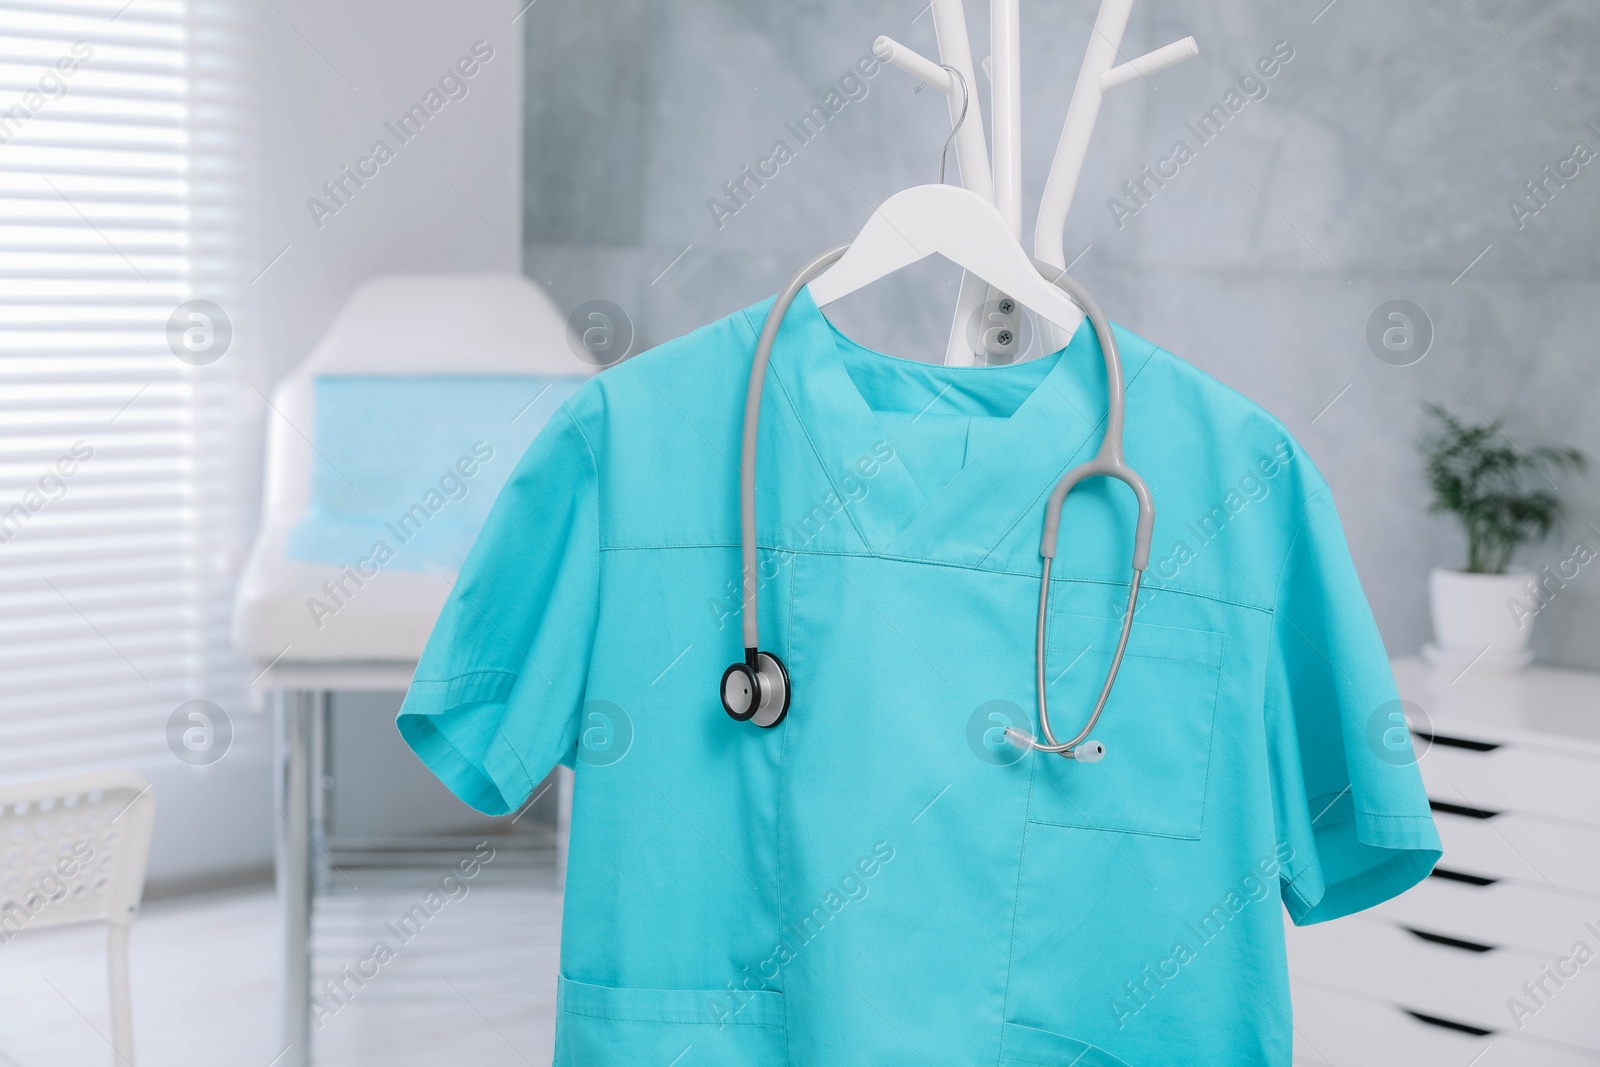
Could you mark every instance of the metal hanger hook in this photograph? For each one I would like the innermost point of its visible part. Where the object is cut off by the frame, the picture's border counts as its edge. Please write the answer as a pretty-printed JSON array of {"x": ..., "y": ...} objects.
[{"x": 966, "y": 102}]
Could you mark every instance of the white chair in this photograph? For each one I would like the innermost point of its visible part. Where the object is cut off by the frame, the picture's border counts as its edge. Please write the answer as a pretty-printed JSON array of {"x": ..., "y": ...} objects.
[{"x": 74, "y": 850}]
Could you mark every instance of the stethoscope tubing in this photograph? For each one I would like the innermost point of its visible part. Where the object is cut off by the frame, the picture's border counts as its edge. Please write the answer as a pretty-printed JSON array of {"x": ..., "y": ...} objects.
[
  {"x": 1107, "y": 462},
  {"x": 752, "y": 423}
]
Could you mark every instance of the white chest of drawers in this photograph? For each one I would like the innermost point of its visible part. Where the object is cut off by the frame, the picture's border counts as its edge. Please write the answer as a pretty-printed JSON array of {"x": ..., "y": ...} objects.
[{"x": 1494, "y": 961}]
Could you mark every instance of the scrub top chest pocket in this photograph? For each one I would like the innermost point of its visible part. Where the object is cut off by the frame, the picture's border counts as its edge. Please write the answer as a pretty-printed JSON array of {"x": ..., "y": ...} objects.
[{"x": 1156, "y": 727}]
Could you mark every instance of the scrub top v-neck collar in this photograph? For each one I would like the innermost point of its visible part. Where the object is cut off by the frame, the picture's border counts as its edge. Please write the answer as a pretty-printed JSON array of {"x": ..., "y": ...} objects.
[{"x": 1010, "y": 465}]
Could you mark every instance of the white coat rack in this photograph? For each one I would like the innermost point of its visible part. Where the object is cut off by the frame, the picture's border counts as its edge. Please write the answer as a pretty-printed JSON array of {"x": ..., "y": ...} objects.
[{"x": 998, "y": 179}]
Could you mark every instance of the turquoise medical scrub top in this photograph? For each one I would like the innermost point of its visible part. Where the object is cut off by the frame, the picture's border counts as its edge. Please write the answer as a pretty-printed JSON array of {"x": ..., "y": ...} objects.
[{"x": 883, "y": 879}]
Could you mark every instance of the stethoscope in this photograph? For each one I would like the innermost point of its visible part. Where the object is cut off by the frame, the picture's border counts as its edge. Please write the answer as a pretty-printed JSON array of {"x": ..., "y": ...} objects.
[{"x": 757, "y": 688}]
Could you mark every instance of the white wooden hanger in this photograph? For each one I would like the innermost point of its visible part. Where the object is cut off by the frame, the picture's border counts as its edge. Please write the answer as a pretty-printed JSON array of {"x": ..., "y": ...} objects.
[{"x": 957, "y": 224}]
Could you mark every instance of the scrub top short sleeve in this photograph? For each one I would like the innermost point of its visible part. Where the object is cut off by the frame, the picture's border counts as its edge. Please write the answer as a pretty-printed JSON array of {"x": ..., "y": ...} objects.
[
  {"x": 1353, "y": 822},
  {"x": 494, "y": 703}
]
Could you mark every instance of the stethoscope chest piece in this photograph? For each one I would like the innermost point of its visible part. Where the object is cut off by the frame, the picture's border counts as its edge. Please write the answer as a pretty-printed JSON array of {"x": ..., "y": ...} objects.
[{"x": 756, "y": 690}]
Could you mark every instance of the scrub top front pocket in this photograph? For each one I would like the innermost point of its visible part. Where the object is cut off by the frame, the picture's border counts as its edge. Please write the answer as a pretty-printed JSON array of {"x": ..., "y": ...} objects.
[
  {"x": 597, "y": 1026},
  {"x": 1029, "y": 1046},
  {"x": 1156, "y": 727}
]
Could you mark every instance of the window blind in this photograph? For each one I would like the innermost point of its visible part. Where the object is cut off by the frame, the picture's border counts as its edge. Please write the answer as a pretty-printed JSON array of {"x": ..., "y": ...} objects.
[{"x": 127, "y": 172}]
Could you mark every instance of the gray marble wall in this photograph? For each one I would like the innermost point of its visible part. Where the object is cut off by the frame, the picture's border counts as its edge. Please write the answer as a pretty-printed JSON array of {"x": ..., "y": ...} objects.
[{"x": 1378, "y": 163}]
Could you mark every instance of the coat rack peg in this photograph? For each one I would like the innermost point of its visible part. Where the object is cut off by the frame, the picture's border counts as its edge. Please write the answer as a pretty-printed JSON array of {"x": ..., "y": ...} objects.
[
  {"x": 971, "y": 151},
  {"x": 1150, "y": 63},
  {"x": 915, "y": 64},
  {"x": 1096, "y": 77}
]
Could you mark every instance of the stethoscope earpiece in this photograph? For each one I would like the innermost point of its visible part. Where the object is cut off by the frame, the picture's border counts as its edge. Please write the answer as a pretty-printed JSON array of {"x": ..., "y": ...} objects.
[
  {"x": 1089, "y": 752},
  {"x": 1086, "y": 751}
]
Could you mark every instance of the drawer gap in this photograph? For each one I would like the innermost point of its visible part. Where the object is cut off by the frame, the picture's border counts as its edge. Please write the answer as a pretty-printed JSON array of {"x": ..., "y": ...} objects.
[
  {"x": 1464, "y": 810},
  {"x": 1462, "y": 877},
  {"x": 1448, "y": 1024},
  {"x": 1451, "y": 942},
  {"x": 1457, "y": 742}
]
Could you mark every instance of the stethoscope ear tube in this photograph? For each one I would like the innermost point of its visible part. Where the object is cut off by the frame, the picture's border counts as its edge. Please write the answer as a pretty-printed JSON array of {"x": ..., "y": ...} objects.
[
  {"x": 1108, "y": 462},
  {"x": 752, "y": 427},
  {"x": 757, "y": 688}
]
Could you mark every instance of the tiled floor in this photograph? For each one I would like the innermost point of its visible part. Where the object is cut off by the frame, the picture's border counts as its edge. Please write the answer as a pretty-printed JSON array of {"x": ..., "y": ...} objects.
[{"x": 475, "y": 985}]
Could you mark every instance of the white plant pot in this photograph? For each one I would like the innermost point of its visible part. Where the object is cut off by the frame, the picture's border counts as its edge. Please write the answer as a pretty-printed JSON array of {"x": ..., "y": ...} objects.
[{"x": 1474, "y": 618}]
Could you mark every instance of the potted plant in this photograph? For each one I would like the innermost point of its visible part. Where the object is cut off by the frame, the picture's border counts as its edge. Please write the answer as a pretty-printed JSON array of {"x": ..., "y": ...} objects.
[{"x": 1503, "y": 498}]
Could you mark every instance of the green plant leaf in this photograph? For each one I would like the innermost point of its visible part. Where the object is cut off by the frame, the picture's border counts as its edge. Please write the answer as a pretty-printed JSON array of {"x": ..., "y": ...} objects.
[{"x": 1498, "y": 492}]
